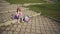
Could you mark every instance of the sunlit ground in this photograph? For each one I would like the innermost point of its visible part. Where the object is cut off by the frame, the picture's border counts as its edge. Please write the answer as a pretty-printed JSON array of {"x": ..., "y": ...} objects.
[{"x": 38, "y": 24}]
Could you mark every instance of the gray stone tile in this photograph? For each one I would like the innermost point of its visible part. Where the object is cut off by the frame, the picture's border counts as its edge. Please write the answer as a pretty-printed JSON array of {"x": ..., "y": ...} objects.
[
  {"x": 33, "y": 30},
  {"x": 4, "y": 32},
  {"x": 48, "y": 32},
  {"x": 28, "y": 30},
  {"x": 21, "y": 33},
  {"x": 24, "y": 27},
  {"x": 13, "y": 29},
  {"x": 43, "y": 31},
  {"x": 42, "y": 28},
  {"x": 22, "y": 30},
  {"x": 28, "y": 27},
  {"x": 10, "y": 32},
  {"x": 46, "y": 28},
  {"x": 53, "y": 32},
  {"x": 3, "y": 28},
  {"x": 8, "y": 28},
  {"x": 41, "y": 25},
  {"x": 33, "y": 27},
  {"x": 33, "y": 21},
  {"x": 29, "y": 24},
  {"x": 33, "y": 33},
  {"x": 17, "y": 29},
  {"x": 38, "y": 31},
  {"x": 15, "y": 26},
  {"x": 38, "y": 28},
  {"x": 58, "y": 32},
  {"x": 37, "y": 25},
  {"x": 50, "y": 28},
  {"x": 27, "y": 33},
  {"x": 55, "y": 29},
  {"x": 25, "y": 24},
  {"x": 19, "y": 26},
  {"x": 15, "y": 32}
]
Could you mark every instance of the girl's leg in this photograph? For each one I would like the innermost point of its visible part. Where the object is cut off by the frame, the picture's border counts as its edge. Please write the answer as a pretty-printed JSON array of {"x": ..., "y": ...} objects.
[{"x": 18, "y": 20}]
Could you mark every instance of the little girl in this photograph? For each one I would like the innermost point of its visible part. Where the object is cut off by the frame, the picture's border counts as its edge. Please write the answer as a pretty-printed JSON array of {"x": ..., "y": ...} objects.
[{"x": 19, "y": 14}]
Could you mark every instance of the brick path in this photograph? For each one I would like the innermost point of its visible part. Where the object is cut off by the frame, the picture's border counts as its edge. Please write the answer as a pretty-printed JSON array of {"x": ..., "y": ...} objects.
[{"x": 37, "y": 25}]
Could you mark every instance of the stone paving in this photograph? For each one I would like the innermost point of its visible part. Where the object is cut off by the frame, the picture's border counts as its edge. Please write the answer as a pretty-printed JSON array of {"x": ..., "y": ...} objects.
[
  {"x": 3, "y": 5},
  {"x": 37, "y": 25}
]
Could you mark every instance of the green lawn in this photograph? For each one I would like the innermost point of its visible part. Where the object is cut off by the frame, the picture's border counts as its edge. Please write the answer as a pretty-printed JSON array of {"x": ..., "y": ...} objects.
[
  {"x": 24, "y": 1},
  {"x": 52, "y": 10}
]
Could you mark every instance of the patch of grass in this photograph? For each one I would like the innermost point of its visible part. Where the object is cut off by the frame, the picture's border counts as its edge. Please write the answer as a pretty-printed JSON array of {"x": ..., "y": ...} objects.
[
  {"x": 58, "y": 1},
  {"x": 52, "y": 10},
  {"x": 24, "y": 1}
]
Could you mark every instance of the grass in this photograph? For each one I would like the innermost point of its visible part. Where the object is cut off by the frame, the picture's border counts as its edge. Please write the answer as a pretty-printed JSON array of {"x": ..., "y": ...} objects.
[
  {"x": 24, "y": 1},
  {"x": 58, "y": 1},
  {"x": 52, "y": 10}
]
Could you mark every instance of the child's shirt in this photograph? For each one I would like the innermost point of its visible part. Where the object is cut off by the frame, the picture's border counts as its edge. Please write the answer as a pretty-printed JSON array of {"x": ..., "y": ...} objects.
[{"x": 19, "y": 14}]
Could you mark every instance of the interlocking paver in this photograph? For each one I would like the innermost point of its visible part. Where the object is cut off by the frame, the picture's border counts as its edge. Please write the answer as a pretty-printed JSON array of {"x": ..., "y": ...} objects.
[
  {"x": 53, "y": 32},
  {"x": 15, "y": 32},
  {"x": 58, "y": 32},
  {"x": 37, "y": 24},
  {"x": 48, "y": 32},
  {"x": 27, "y": 30},
  {"x": 2, "y": 28},
  {"x": 24, "y": 26},
  {"x": 33, "y": 25},
  {"x": 8, "y": 28},
  {"x": 38, "y": 31},
  {"x": 10, "y": 32},
  {"x": 33, "y": 33},
  {"x": 13, "y": 29},
  {"x": 21, "y": 33},
  {"x": 33, "y": 30},
  {"x": 4, "y": 32},
  {"x": 17, "y": 29},
  {"x": 23, "y": 30},
  {"x": 28, "y": 27},
  {"x": 38, "y": 28},
  {"x": 27, "y": 33},
  {"x": 15, "y": 26},
  {"x": 43, "y": 31}
]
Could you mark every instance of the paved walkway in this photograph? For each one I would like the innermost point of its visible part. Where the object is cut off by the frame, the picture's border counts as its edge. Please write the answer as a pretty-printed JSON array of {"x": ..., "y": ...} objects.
[
  {"x": 37, "y": 25},
  {"x": 3, "y": 5}
]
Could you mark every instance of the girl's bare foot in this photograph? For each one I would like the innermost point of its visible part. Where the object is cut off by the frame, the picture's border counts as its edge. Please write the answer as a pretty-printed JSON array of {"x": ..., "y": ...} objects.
[{"x": 18, "y": 22}]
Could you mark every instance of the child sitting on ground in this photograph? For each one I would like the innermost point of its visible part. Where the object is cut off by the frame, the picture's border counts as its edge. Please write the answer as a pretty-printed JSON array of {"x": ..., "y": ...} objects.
[{"x": 19, "y": 14}]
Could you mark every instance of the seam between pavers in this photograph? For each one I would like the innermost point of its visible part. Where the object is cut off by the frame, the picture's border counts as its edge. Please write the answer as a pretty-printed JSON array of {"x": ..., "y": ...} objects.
[
  {"x": 8, "y": 22},
  {"x": 31, "y": 25},
  {"x": 43, "y": 24},
  {"x": 39, "y": 19},
  {"x": 8, "y": 11},
  {"x": 25, "y": 28}
]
